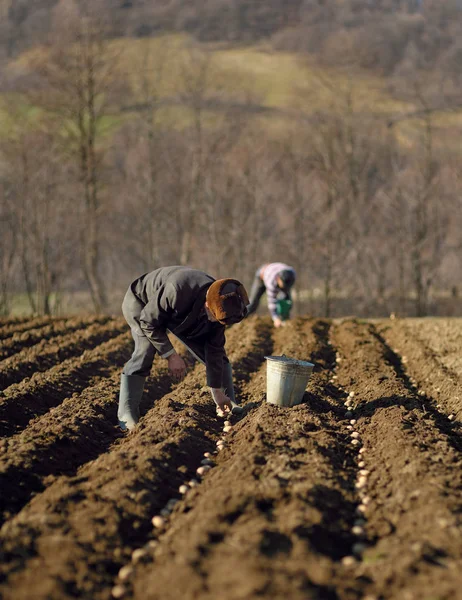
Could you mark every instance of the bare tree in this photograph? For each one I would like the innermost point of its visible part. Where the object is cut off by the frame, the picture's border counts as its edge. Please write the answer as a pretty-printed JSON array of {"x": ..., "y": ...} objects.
[
  {"x": 195, "y": 76},
  {"x": 77, "y": 73},
  {"x": 420, "y": 191},
  {"x": 38, "y": 208},
  {"x": 145, "y": 161},
  {"x": 19, "y": 199},
  {"x": 8, "y": 247}
]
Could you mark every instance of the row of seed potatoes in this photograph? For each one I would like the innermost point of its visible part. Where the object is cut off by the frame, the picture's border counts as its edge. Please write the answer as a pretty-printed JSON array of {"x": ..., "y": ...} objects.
[
  {"x": 105, "y": 512},
  {"x": 272, "y": 515},
  {"x": 244, "y": 356},
  {"x": 78, "y": 430},
  {"x": 408, "y": 475}
]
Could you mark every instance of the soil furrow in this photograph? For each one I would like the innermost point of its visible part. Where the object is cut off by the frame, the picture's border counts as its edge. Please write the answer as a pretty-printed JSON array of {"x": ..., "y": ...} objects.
[
  {"x": 450, "y": 429},
  {"x": 272, "y": 518},
  {"x": 46, "y": 354},
  {"x": 13, "y": 326},
  {"x": 13, "y": 320},
  {"x": 22, "y": 402},
  {"x": 258, "y": 526},
  {"x": 247, "y": 362},
  {"x": 414, "y": 506},
  {"x": 73, "y": 433},
  {"x": 73, "y": 537},
  {"x": 422, "y": 360},
  {"x": 291, "y": 509},
  {"x": 78, "y": 430},
  {"x": 31, "y": 337},
  {"x": 96, "y": 518}
]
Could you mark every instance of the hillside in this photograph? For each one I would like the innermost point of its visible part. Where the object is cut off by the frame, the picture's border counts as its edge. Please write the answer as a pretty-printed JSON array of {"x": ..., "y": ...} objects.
[
  {"x": 25, "y": 23},
  {"x": 279, "y": 87},
  {"x": 384, "y": 35}
]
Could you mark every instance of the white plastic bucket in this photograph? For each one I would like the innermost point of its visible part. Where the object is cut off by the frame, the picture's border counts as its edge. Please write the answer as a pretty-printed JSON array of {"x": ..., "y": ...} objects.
[{"x": 286, "y": 380}]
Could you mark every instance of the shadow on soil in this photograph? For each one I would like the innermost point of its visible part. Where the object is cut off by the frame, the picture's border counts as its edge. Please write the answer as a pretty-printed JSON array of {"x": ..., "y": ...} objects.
[
  {"x": 423, "y": 403},
  {"x": 331, "y": 536}
]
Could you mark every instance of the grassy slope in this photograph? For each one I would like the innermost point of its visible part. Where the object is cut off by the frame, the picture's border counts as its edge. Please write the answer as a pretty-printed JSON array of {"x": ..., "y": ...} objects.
[
  {"x": 280, "y": 86},
  {"x": 282, "y": 83}
]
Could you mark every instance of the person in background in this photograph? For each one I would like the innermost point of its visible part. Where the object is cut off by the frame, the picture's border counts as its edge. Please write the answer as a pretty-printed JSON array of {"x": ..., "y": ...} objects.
[
  {"x": 276, "y": 279},
  {"x": 195, "y": 308}
]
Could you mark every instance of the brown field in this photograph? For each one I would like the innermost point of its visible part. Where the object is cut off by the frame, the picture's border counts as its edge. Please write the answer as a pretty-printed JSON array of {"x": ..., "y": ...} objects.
[{"x": 292, "y": 508}]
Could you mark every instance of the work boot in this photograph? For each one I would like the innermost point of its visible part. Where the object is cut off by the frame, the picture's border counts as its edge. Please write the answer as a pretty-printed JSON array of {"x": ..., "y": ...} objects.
[
  {"x": 131, "y": 391},
  {"x": 228, "y": 388}
]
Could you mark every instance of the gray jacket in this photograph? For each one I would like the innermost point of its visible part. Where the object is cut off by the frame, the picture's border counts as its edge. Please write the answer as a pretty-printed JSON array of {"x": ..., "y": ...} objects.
[{"x": 174, "y": 299}]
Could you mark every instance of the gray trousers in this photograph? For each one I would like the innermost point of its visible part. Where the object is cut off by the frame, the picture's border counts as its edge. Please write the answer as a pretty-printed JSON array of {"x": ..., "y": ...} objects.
[{"x": 143, "y": 356}]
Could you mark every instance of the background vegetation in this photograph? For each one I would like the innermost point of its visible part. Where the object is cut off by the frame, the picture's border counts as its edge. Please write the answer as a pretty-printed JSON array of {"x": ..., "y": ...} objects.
[{"x": 225, "y": 134}]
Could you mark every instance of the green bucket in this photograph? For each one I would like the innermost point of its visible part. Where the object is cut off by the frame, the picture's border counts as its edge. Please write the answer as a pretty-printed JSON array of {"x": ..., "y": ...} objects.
[{"x": 283, "y": 308}]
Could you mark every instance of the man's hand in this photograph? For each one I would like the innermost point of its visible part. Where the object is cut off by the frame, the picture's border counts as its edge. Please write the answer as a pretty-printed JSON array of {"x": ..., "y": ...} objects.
[
  {"x": 221, "y": 400},
  {"x": 177, "y": 366},
  {"x": 277, "y": 322}
]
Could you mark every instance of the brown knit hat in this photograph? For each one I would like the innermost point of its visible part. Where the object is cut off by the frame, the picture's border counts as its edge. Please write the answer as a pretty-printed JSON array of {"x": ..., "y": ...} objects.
[{"x": 227, "y": 300}]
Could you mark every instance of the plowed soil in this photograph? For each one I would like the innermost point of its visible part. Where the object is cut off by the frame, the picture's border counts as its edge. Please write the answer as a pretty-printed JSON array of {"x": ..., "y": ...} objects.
[{"x": 355, "y": 493}]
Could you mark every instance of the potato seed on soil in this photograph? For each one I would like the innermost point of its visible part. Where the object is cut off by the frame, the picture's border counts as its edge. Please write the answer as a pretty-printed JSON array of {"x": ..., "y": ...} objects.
[{"x": 279, "y": 515}]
